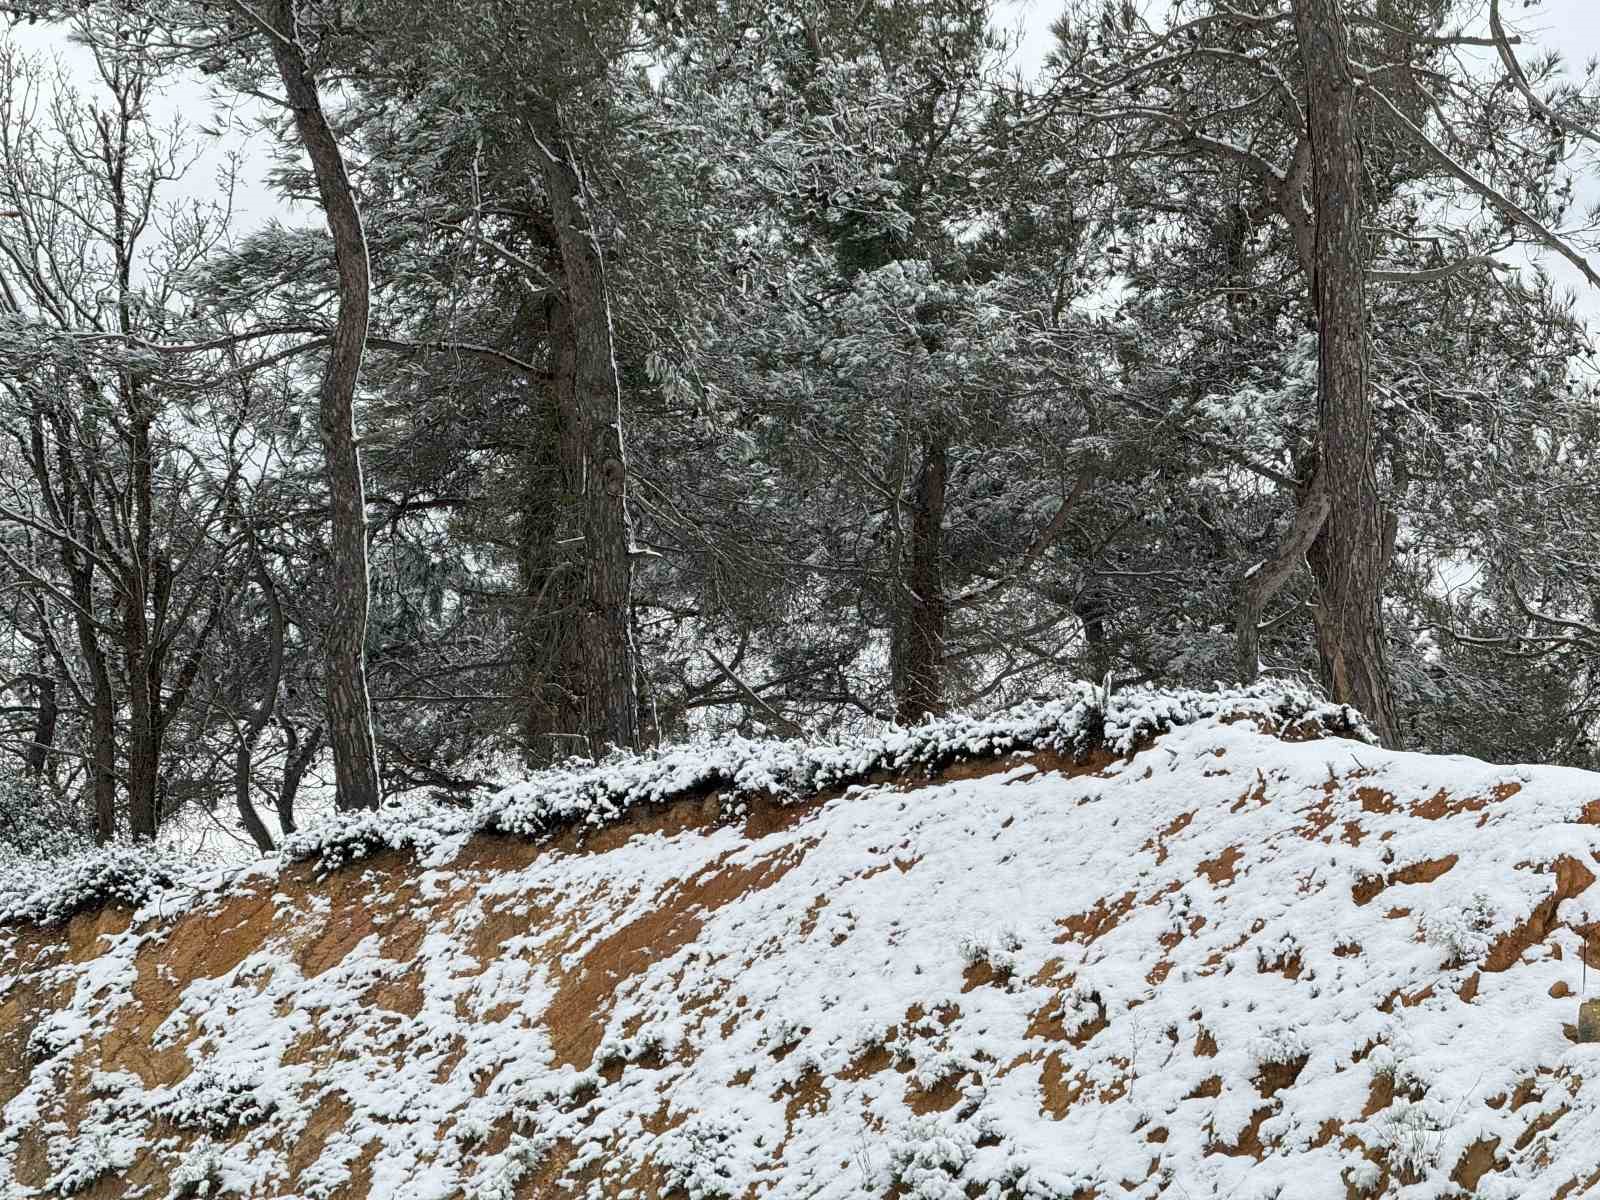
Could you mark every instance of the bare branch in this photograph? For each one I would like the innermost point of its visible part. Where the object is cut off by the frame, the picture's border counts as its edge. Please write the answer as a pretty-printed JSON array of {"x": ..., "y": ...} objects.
[
  {"x": 1434, "y": 274},
  {"x": 1424, "y": 39},
  {"x": 1266, "y": 579},
  {"x": 1045, "y": 538},
  {"x": 1547, "y": 236},
  {"x": 1503, "y": 44},
  {"x": 773, "y": 716}
]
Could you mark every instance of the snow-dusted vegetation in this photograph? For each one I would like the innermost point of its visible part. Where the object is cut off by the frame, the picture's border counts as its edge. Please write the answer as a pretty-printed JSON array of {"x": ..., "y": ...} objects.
[
  {"x": 1233, "y": 953},
  {"x": 581, "y": 795},
  {"x": 549, "y": 550}
]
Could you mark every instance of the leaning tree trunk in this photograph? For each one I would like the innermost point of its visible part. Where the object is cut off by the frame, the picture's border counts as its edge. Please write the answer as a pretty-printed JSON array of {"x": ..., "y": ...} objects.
[
  {"x": 1265, "y": 580},
  {"x": 355, "y": 752},
  {"x": 921, "y": 627},
  {"x": 611, "y": 705},
  {"x": 296, "y": 762},
  {"x": 37, "y": 755},
  {"x": 1351, "y": 553}
]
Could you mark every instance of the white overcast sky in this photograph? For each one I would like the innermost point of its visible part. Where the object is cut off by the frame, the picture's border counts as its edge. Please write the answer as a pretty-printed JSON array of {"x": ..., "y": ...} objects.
[{"x": 1570, "y": 26}]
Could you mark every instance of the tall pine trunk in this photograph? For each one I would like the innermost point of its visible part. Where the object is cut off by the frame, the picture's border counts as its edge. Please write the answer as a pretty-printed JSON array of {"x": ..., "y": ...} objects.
[
  {"x": 551, "y": 574},
  {"x": 605, "y": 628},
  {"x": 355, "y": 754},
  {"x": 1351, "y": 553},
  {"x": 921, "y": 627}
]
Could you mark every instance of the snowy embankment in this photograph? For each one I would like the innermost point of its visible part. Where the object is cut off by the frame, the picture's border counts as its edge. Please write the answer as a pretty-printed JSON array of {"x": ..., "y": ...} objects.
[{"x": 1155, "y": 951}]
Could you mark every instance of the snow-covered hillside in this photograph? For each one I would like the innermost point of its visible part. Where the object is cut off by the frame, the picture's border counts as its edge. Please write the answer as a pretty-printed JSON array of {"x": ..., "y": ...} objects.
[{"x": 1182, "y": 948}]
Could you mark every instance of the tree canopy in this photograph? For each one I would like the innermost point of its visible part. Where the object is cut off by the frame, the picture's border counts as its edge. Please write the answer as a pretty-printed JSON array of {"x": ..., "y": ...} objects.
[{"x": 633, "y": 369}]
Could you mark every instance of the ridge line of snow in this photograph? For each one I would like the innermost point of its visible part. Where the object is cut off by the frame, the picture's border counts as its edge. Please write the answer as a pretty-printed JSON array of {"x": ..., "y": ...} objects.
[{"x": 586, "y": 795}]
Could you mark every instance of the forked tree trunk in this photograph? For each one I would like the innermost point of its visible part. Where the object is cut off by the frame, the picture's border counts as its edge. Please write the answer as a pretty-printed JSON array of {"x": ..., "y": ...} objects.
[
  {"x": 355, "y": 752},
  {"x": 1350, "y": 555},
  {"x": 921, "y": 627},
  {"x": 1266, "y": 579},
  {"x": 611, "y": 705}
]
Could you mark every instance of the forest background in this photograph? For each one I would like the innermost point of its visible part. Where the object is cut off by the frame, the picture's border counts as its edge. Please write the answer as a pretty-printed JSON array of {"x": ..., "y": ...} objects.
[{"x": 632, "y": 371}]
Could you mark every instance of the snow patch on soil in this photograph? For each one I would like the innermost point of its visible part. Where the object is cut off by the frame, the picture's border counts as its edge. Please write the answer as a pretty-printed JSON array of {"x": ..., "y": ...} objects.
[{"x": 1207, "y": 962}]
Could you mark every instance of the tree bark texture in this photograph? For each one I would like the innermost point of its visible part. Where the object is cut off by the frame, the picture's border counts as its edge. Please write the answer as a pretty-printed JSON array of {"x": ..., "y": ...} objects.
[
  {"x": 552, "y": 575},
  {"x": 244, "y": 753},
  {"x": 144, "y": 700},
  {"x": 140, "y": 654},
  {"x": 1092, "y": 608},
  {"x": 611, "y": 704},
  {"x": 920, "y": 660},
  {"x": 1351, "y": 553},
  {"x": 350, "y": 733},
  {"x": 103, "y": 739}
]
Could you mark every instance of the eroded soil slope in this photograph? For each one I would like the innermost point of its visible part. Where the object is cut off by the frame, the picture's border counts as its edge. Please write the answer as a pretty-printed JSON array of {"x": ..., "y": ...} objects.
[{"x": 1226, "y": 965}]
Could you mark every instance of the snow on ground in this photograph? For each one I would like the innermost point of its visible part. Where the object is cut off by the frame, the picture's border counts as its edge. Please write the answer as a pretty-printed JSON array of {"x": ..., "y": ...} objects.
[{"x": 1218, "y": 964}]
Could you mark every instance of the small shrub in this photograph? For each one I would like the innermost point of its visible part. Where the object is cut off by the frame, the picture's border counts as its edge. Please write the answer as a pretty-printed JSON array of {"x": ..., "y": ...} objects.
[
  {"x": 350, "y": 837},
  {"x": 1410, "y": 1139},
  {"x": 647, "y": 1046},
  {"x": 51, "y": 892},
  {"x": 217, "y": 1101},
  {"x": 929, "y": 1156},
  {"x": 1364, "y": 1177},
  {"x": 1465, "y": 932},
  {"x": 1000, "y": 956},
  {"x": 579, "y": 1088},
  {"x": 54, "y": 1033},
  {"x": 695, "y": 1159},
  {"x": 782, "y": 1033},
  {"x": 1284, "y": 1044},
  {"x": 90, "y": 1161},
  {"x": 199, "y": 1174},
  {"x": 942, "y": 1066},
  {"x": 36, "y": 823},
  {"x": 498, "y": 1175}
]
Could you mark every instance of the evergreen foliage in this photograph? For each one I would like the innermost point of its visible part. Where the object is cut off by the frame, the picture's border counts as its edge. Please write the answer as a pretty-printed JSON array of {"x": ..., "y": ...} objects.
[{"x": 770, "y": 369}]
